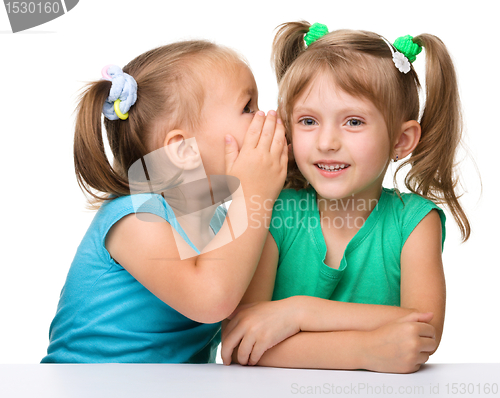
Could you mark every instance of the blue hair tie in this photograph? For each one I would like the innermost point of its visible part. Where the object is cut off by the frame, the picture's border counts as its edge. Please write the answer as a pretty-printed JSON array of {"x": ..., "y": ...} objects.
[{"x": 123, "y": 91}]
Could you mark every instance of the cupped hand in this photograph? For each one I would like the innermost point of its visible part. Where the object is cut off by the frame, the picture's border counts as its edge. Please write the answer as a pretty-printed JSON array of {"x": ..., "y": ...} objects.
[{"x": 261, "y": 163}]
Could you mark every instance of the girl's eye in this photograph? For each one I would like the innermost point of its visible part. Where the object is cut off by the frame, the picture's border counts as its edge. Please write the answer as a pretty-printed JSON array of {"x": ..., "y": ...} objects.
[
  {"x": 247, "y": 108},
  {"x": 307, "y": 121},
  {"x": 354, "y": 123}
]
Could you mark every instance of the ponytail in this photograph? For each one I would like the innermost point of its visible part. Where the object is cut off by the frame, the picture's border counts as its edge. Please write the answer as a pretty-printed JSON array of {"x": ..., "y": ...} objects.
[
  {"x": 287, "y": 45},
  {"x": 92, "y": 168},
  {"x": 433, "y": 160}
]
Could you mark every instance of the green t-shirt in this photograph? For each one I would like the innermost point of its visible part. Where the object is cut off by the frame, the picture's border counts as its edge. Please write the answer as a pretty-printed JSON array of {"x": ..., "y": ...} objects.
[{"x": 370, "y": 270}]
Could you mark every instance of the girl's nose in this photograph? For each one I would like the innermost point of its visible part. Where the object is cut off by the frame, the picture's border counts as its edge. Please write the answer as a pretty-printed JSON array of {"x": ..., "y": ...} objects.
[{"x": 329, "y": 139}]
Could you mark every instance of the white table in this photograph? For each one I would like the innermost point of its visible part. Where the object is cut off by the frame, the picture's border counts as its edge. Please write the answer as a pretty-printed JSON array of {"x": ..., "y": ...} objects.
[{"x": 213, "y": 380}]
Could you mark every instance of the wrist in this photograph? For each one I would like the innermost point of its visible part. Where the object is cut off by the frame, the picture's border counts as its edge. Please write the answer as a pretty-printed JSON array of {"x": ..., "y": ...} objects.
[
  {"x": 362, "y": 352},
  {"x": 299, "y": 313}
]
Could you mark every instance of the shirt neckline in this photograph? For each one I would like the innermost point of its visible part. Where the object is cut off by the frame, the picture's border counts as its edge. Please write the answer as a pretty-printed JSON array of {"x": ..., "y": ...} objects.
[{"x": 360, "y": 236}]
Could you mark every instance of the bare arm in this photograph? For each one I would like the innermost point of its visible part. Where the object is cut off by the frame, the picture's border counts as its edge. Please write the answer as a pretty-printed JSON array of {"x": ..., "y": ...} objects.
[
  {"x": 208, "y": 287},
  {"x": 422, "y": 276},
  {"x": 315, "y": 314},
  {"x": 401, "y": 346}
]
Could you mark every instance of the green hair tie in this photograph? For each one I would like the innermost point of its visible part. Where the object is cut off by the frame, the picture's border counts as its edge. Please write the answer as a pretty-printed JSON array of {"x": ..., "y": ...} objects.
[
  {"x": 316, "y": 31},
  {"x": 405, "y": 45}
]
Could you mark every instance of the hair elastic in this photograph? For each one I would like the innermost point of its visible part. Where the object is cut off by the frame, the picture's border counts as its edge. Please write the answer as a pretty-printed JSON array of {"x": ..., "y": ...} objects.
[
  {"x": 405, "y": 45},
  {"x": 116, "y": 108},
  {"x": 316, "y": 31},
  {"x": 122, "y": 95}
]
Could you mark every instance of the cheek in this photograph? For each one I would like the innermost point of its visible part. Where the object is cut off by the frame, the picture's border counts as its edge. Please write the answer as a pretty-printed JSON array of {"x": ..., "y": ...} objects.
[
  {"x": 238, "y": 129},
  {"x": 373, "y": 154},
  {"x": 299, "y": 148}
]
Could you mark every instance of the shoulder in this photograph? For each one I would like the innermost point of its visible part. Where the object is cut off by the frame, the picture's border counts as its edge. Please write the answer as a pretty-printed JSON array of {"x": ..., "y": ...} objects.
[
  {"x": 138, "y": 203},
  {"x": 117, "y": 208},
  {"x": 406, "y": 203},
  {"x": 137, "y": 237},
  {"x": 135, "y": 220},
  {"x": 409, "y": 209}
]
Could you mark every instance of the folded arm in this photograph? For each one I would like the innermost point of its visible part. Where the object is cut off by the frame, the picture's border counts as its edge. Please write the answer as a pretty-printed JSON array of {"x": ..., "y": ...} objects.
[{"x": 422, "y": 291}]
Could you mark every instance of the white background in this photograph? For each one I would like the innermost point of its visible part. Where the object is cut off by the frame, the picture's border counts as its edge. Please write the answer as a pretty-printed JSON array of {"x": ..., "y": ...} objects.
[{"x": 42, "y": 70}]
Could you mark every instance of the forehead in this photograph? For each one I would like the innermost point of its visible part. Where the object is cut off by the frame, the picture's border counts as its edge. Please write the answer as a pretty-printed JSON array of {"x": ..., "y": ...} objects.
[
  {"x": 324, "y": 92},
  {"x": 226, "y": 83},
  {"x": 229, "y": 76}
]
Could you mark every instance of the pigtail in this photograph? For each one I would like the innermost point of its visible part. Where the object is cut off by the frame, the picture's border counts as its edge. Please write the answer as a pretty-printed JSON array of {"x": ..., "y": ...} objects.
[
  {"x": 432, "y": 173},
  {"x": 287, "y": 45},
  {"x": 92, "y": 168}
]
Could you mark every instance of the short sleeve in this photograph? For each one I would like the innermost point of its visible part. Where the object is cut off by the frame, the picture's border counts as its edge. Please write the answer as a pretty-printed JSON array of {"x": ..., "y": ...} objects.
[
  {"x": 276, "y": 225},
  {"x": 284, "y": 212},
  {"x": 415, "y": 209}
]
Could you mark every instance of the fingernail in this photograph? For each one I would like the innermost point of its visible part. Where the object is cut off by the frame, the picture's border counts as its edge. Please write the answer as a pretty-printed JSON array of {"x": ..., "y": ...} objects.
[
  {"x": 272, "y": 113},
  {"x": 279, "y": 121},
  {"x": 260, "y": 113},
  {"x": 228, "y": 139}
]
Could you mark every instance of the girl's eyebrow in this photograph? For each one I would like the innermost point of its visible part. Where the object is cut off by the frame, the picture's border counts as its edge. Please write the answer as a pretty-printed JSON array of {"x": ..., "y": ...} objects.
[
  {"x": 245, "y": 93},
  {"x": 347, "y": 109},
  {"x": 302, "y": 109}
]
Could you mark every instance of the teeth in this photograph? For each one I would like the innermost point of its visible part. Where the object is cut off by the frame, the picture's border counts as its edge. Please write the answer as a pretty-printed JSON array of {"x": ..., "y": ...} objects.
[{"x": 332, "y": 167}]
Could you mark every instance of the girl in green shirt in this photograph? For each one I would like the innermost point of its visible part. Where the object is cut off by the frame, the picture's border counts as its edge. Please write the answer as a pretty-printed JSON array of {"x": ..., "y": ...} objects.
[{"x": 354, "y": 269}]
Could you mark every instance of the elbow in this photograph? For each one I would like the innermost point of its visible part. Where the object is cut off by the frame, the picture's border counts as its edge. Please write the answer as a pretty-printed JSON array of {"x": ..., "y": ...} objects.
[
  {"x": 213, "y": 314},
  {"x": 215, "y": 308}
]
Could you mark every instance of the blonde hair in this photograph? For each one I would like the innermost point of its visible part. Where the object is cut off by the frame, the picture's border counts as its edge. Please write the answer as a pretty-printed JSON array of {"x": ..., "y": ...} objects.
[
  {"x": 170, "y": 91},
  {"x": 360, "y": 63}
]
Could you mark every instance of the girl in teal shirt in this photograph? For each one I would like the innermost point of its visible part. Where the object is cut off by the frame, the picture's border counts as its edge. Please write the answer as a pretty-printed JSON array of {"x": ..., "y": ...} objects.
[
  {"x": 355, "y": 269},
  {"x": 160, "y": 265}
]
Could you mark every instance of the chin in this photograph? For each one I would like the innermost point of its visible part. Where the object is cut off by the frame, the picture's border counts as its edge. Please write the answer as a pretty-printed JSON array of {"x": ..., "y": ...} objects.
[{"x": 333, "y": 193}]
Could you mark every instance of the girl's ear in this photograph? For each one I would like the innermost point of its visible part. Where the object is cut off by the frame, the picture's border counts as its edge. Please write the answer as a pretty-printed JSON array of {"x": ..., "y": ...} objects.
[
  {"x": 182, "y": 150},
  {"x": 408, "y": 139}
]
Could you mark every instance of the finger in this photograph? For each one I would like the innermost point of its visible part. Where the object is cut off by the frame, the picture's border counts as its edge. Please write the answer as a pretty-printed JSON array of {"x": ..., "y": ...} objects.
[
  {"x": 417, "y": 317},
  {"x": 422, "y": 358},
  {"x": 279, "y": 138},
  {"x": 228, "y": 329},
  {"x": 426, "y": 330},
  {"x": 268, "y": 131},
  {"x": 284, "y": 156},
  {"x": 233, "y": 324},
  {"x": 226, "y": 360},
  {"x": 253, "y": 133},
  {"x": 427, "y": 344},
  {"x": 258, "y": 350},
  {"x": 231, "y": 152},
  {"x": 245, "y": 349},
  {"x": 228, "y": 346}
]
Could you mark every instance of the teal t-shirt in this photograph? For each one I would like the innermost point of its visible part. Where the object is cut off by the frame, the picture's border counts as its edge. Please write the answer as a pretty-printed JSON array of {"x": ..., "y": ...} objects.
[
  {"x": 105, "y": 315},
  {"x": 370, "y": 270}
]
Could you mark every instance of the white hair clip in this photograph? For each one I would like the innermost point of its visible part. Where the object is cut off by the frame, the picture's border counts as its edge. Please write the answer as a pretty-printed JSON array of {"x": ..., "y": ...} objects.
[{"x": 399, "y": 59}]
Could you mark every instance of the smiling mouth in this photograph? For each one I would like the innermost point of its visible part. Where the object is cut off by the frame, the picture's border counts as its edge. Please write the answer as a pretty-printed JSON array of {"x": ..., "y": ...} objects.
[{"x": 332, "y": 167}]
